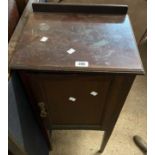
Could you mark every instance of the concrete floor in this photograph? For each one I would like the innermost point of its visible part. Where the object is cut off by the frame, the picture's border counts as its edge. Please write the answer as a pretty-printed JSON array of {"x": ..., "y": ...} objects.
[{"x": 133, "y": 117}]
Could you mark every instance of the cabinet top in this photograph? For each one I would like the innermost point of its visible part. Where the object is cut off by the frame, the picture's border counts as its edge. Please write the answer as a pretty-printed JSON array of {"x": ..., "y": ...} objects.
[{"x": 77, "y": 42}]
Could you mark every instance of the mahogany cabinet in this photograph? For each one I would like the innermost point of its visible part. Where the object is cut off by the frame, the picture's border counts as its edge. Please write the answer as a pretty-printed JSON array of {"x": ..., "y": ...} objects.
[{"x": 77, "y": 67}]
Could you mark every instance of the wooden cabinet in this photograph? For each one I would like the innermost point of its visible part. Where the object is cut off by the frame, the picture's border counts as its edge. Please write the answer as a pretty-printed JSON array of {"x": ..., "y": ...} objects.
[
  {"x": 77, "y": 100},
  {"x": 78, "y": 68}
]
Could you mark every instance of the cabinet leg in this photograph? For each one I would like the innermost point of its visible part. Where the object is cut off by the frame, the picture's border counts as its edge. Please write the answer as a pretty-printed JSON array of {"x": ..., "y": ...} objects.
[{"x": 105, "y": 139}]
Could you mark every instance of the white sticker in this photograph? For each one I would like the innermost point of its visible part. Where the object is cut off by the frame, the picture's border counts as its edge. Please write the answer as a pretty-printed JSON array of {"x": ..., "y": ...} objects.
[
  {"x": 44, "y": 39},
  {"x": 73, "y": 99},
  {"x": 81, "y": 63},
  {"x": 93, "y": 93},
  {"x": 71, "y": 51}
]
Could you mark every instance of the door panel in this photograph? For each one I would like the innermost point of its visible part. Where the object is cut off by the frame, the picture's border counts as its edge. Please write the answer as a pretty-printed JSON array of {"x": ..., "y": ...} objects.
[{"x": 71, "y": 99}]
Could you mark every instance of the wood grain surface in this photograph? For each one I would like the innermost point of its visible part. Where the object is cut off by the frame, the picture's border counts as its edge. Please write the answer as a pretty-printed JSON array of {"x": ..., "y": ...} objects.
[{"x": 106, "y": 42}]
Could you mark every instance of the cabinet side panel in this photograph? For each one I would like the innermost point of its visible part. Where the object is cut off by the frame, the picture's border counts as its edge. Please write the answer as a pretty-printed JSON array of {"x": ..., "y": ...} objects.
[{"x": 118, "y": 92}]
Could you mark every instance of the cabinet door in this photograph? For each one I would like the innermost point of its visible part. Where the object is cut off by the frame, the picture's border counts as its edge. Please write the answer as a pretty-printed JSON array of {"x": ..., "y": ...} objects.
[{"x": 71, "y": 99}]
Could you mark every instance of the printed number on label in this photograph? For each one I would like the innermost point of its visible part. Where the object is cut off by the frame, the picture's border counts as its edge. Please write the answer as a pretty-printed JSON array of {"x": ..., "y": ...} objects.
[{"x": 81, "y": 63}]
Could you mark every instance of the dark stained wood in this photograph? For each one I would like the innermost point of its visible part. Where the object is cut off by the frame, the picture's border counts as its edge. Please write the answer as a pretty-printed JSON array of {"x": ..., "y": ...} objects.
[
  {"x": 9, "y": 153},
  {"x": 13, "y": 17},
  {"x": 50, "y": 76},
  {"x": 21, "y": 5},
  {"x": 13, "y": 42},
  {"x": 88, "y": 112},
  {"x": 120, "y": 87},
  {"x": 32, "y": 99},
  {"x": 54, "y": 90},
  {"x": 23, "y": 125},
  {"x": 118, "y": 92},
  {"x": 18, "y": 31},
  {"x": 80, "y": 8},
  {"x": 106, "y": 42}
]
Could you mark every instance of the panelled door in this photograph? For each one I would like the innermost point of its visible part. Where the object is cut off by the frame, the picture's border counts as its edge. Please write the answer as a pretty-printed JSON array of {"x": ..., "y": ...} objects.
[{"x": 70, "y": 99}]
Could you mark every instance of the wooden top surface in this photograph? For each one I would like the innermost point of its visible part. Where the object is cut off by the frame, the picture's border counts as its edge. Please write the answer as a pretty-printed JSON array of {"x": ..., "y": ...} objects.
[{"x": 105, "y": 42}]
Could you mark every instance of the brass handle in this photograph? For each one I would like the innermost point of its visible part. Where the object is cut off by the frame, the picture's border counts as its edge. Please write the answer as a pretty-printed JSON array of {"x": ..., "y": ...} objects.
[{"x": 43, "y": 111}]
